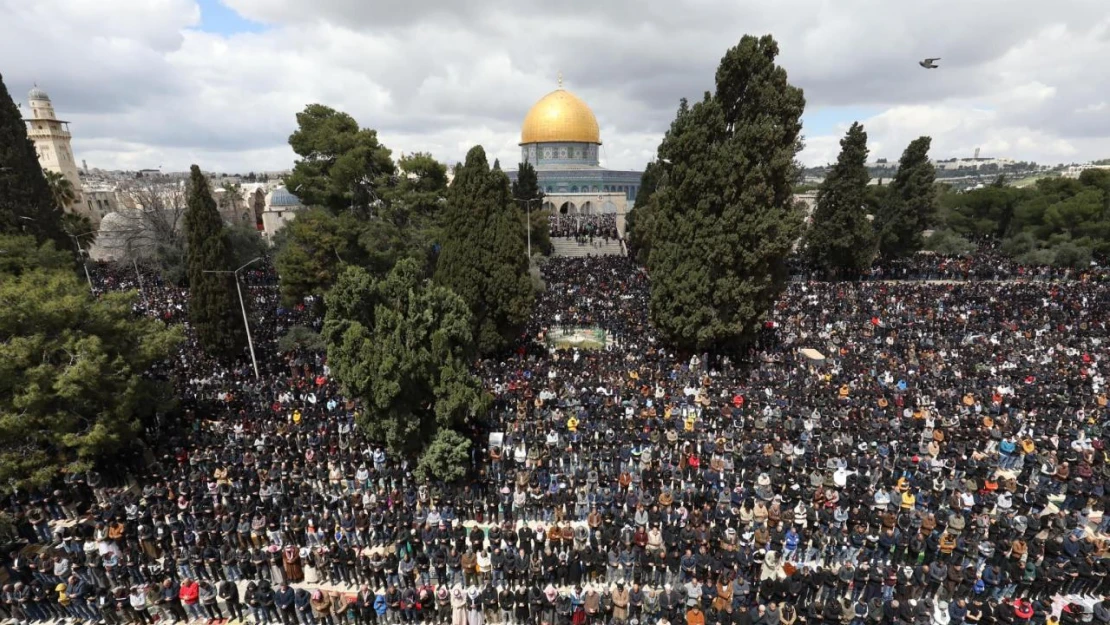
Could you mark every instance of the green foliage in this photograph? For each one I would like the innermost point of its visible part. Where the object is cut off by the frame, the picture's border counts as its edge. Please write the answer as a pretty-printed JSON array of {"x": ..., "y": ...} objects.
[
  {"x": 246, "y": 244},
  {"x": 72, "y": 389},
  {"x": 724, "y": 220},
  {"x": 910, "y": 205},
  {"x": 986, "y": 212},
  {"x": 26, "y": 204},
  {"x": 313, "y": 248},
  {"x": 483, "y": 258},
  {"x": 529, "y": 196},
  {"x": 9, "y": 533},
  {"x": 341, "y": 166},
  {"x": 404, "y": 347},
  {"x": 81, "y": 227},
  {"x": 446, "y": 459},
  {"x": 61, "y": 189},
  {"x": 1036, "y": 222},
  {"x": 948, "y": 243},
  {"x": 300, "y": 339},
  {"x": 213, "y": 302},
  {"x": 311, "y": 251},
  {"x": 19, "y": 254},
  {"x": 1068, "y": 254},
  {"x": 541, "y": 232},
  {"x": 841, "y": 240},
  {"x": 638, "y": 221}
]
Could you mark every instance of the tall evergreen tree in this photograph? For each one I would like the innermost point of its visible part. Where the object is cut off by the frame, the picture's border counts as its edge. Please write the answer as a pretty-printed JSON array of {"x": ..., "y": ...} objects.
[
  {"x": 483, "y": 254},
  {"x": 213, "y": 302},
  {"x": 527, "y": 185},
  {"x": 74, "y": 389},
  {"x": 841, "y": 240},
  {"x": 638, "y": 221},
  {"x": 910, "y": 205},
  {"x": 529, "y": 196},
  {"x": 724, "y": 222},
  {"x": 402, "y": 345},
  {"x": 26, "y": 204},
  {"x": 342, "y": 166}
]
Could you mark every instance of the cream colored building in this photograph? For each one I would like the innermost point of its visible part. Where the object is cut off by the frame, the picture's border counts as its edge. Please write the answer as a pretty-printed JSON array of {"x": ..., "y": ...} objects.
[
  {"x": 100, "y": 200},
  {"x": 53, "y": 146},
  {"x": 281, "y": 207}
]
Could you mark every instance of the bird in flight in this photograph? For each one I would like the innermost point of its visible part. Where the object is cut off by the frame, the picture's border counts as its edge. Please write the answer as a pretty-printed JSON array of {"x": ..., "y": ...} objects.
[{"x": 929, "y": 64}]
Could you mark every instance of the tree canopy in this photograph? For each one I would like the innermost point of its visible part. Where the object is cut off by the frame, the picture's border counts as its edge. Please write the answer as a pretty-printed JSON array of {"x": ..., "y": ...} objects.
[
  {"x": 403, "y": 345},
  {"x": 312, "y": 250},
  {"x": 638, "y": 220},
  {"x": 72, "y": 384},
  {"x": 724, "y": 219},
  {"x": 909, "y": 207},
  {"x": 840, "y": 240},
  {"x": 341, "y": 166},
  {"x": 407, "y": 200},
  {"x": 446, "y": 458},
  {"x": 1061, "y": 221},
  {"x": 213, "y": 302},
  {"x": 26, "y": 203},
  {"x": 528, "y": 194},
  {"x": 483, "y": 258}
]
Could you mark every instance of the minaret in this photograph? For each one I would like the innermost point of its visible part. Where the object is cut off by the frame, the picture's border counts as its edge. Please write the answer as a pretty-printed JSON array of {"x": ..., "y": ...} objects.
[{"x": 52, "y": 143}]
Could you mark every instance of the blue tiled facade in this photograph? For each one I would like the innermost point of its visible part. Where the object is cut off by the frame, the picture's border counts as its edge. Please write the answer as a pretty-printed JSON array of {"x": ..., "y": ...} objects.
[{"x": 573, "y": 168}]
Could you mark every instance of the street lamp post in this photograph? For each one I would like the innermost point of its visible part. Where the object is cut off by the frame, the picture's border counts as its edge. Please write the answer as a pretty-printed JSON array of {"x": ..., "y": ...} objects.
[
  {"x": 243, "y": 306},
  {"x": 81, "y": 256},
  {"x": 138, "y": 274},
  {"x": 528, "y": 223}
]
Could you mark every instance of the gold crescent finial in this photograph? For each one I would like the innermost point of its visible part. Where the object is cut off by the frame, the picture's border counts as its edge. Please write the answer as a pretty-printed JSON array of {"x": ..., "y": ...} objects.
[{"x": 560, "y": 80}]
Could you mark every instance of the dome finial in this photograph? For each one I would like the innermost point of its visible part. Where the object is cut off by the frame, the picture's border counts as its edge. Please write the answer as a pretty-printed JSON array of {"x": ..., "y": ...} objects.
[{"x": 560, "y": 80}]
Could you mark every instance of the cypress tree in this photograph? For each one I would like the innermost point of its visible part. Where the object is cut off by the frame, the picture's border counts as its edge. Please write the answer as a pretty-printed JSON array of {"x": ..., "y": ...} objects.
[
  {"x": 527, "y": 185},
  {"x": 213, "y": 302},
  {"x": 638, "y": 222},
  {"x": 26, "y": 204},
  {"x": 841, "y": 240},
  {"x": 724, "y": 219},
  {"x": 529, "y": 196},
  {"x": 910, "y": 204},
  {"x": 483, "y": 254}
]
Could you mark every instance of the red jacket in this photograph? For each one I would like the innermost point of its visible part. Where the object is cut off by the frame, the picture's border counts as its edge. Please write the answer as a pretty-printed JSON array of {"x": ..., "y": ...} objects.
[{"x": 190, "y": 593}]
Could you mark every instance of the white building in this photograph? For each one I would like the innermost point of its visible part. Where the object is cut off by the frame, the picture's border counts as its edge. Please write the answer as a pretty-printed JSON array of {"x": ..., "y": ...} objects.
[
  {"x": 972, "y": 163},
  {"x": 100, "y": 200},
  {"x": 53, "y": 145},
  {"x": 281, "y": 207},
  {"x": 1073, "y": 171}
]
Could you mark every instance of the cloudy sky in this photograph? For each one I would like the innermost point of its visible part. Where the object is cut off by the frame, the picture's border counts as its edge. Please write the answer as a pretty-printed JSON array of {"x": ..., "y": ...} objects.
[{"x": 149, "y": 83}]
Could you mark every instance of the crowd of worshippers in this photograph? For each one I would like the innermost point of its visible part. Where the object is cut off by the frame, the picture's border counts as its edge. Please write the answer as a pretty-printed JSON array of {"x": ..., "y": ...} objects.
[
  {"x": 985, "y": 262},
  {"x": 584, "y": 228},
  {"x": 902, "y": 453}
]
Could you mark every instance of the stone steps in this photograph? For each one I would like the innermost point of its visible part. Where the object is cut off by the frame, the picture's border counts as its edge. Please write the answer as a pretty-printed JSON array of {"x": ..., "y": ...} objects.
[{"x": 565, "y": 246}]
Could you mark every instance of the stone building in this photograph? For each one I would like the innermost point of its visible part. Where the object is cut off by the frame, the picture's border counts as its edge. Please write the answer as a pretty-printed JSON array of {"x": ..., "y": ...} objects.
[
  {"x": 560, "y": 137},
  {"x": 281, "y": 207},
  {"x": 53, "y": 146}
]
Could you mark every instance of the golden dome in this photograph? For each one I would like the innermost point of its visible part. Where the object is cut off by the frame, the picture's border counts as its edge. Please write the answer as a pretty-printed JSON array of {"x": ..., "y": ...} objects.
[{"x": 560, "y": 116}]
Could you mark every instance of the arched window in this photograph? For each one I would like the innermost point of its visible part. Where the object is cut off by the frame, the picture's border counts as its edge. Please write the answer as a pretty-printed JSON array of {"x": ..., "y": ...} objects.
[{"x": 574, "y": 189}]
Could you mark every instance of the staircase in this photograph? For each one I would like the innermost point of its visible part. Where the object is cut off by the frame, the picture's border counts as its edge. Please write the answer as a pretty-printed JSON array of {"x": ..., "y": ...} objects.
[{"x": 566, "y": 246}]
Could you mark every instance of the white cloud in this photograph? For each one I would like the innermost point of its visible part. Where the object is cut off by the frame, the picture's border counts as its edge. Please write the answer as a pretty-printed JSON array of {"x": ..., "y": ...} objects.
[{"x": 144, "y": 87}]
